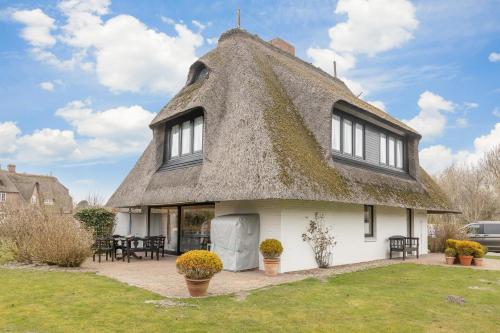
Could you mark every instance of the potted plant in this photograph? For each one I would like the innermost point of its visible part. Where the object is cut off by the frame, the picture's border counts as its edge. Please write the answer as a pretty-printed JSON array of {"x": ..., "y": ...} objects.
[
  {"x": 271, "y": 250},
  {"x": 479, "y": 254},
  {"x": 198, "y": 267},
  {"x": 465, "y": 251},
  {"x": 450, "y": 254}
]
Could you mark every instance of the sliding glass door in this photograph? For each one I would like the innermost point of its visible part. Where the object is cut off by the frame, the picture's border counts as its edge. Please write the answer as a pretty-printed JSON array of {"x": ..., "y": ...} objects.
[
  {"x": 195, "y": 227},
  {"x": 164, "y": 222}
]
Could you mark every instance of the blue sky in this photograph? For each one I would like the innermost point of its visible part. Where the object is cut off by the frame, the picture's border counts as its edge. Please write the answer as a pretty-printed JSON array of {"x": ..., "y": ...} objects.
[{"x": 82, "y": 79}]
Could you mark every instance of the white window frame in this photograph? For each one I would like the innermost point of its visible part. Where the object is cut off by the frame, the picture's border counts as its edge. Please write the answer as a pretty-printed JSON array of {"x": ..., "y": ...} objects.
[
  {"x": 34, "y": 200},
  {"x": 186, "y": 138},
  {"x": 399, "y": 154},
  {"x": 180, "y": 137},
  {"x": 383, "y": 149},
  {"x": 175, "y": 139},
  {"x": 392, "y": 151},
  {"x": 336, "y": 132},
  {"x": 359, "y": 142},
  {"x": 197, "y": 134},
  {"x": 3, "y": 197},
  {"x": 347, "y": 139}
]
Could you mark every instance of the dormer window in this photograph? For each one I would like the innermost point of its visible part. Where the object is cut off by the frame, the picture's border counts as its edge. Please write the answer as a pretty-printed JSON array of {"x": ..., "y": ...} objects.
[
  {"x": 356, "y": 140},
  {"x": 197, "y": 72},
  {"x": 184, "y": 140}
]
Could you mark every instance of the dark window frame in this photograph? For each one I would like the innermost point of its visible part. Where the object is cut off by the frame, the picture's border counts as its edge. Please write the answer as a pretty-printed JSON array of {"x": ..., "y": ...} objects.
[
  {"x": 191, "y": 158},
  {"x": 404, "y": 150},
  {"x": 371, "y": 222},
  {"x": 354, "y": 121}
]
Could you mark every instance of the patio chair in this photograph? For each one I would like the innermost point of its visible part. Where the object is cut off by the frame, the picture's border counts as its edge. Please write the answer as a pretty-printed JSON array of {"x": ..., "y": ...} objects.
[
  {"x": 104, "y": 246},
  {"x": 161, "y": 244},
  {"x": 151, "y": 244}
]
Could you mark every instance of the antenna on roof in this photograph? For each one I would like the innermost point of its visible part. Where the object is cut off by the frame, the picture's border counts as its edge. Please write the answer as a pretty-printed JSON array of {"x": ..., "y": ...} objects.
[
  {"x": 361, "y": 93},
  {"x": 238, "y": 25},
  {"x": 334, "y": 69}
]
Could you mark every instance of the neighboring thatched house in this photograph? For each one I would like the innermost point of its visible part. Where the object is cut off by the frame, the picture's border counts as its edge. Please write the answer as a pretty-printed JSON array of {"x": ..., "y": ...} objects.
[
  {"x": 258, "y": 130},
  {"x": 25, "y": 189}
]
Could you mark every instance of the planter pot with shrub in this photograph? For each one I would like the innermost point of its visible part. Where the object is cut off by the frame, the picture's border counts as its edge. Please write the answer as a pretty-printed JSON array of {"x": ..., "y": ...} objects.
[
  {"x": 479, "y": 254},
  {"x": 466, "y": 250},
  {"x": 271, "y": 250},
  {"x": 198, "y": 267},
  {"x": 450, "y": 255}
]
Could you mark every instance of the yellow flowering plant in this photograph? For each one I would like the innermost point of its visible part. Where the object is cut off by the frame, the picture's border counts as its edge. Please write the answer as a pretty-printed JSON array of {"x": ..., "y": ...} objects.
[
  {"x": 198, "y": 264},
  {"x": 271, "y": 248}
]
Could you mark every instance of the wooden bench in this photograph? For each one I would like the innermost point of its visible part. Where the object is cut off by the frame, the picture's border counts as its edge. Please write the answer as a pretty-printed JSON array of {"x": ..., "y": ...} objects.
[{"x": 403, "y": 244}]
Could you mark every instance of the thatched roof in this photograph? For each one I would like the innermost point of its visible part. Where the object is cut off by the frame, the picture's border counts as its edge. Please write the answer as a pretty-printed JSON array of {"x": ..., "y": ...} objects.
[
  {"x": 48, "y": 188},
  {"x": 267, "y": 132}
]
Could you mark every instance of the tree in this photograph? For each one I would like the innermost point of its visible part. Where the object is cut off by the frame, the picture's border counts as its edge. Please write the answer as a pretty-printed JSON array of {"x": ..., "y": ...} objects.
[{"x": 100, "y": 220}]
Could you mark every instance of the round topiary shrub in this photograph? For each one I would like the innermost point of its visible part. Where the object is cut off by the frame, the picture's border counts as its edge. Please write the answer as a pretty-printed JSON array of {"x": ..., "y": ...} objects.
[
  {"x": 271, "y": 248},
  {"x": 467, "y": 248},
  {"x": 198, "y": 264},
  {"x": 450, "y": 252}
]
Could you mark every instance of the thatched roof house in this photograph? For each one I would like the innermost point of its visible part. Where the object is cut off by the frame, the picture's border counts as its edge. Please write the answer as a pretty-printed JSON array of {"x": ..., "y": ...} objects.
[
  {"x": 22, "y": 188},
  {"x": 267, "y": 135}
]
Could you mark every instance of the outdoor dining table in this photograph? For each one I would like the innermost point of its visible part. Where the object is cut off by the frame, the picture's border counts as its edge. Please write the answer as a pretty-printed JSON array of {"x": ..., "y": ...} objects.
[{"x": 131, "y": 245}]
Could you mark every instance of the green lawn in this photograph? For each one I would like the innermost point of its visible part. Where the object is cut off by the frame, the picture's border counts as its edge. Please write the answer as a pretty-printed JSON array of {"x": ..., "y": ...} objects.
[{"x": 398, "y": 298}]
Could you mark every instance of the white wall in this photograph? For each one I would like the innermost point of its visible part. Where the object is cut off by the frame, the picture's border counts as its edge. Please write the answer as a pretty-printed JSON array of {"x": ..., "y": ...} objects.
[
  {"x": 139, "y": 224},
  {"x": 287, "y": 220}
]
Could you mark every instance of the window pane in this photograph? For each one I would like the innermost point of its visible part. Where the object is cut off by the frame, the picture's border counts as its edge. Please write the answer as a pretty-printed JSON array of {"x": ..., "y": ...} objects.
[
  {"x": 336, "y": 132},
  {"x": 383, "y": 149},
  {"x": 368, "y": 221},
  {"x": 399, "y": 154},
  {"x": 347, "y": 137},
  {"x": 391, "y": 151},
  {"x": 492, "y": 228},
  {"x": 174, "y": 141},
  {"x": 186, "y": 138},
  {"x": 359, "y": 140},
  {"x": 198, "y": 134}
]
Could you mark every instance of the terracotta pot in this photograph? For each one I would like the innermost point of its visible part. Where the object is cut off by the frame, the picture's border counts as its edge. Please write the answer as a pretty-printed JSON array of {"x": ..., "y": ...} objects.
[
  {"x": 465, "y": 260},
  {"x": 450, "y": 260},
  {"x": 478, "y": 261},
  {"x": 197, "y": 288},
  {"x": 271, "y": 266}
]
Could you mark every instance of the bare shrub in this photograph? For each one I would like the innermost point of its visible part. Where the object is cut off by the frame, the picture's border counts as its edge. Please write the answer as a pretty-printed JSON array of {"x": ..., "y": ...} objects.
[
  {"x": 320, "y": 237},
  {"x": 42, "y": 237},
  {"x": 446, "y": 228}
]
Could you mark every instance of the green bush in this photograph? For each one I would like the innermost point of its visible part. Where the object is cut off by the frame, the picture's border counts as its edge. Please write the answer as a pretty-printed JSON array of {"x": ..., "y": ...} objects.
[
  {"x": 100, "y": 220},
  {"x": 450, "y": 252},
  {"x": 271, "y": 248},
  {"x": 467, "y": 248}
]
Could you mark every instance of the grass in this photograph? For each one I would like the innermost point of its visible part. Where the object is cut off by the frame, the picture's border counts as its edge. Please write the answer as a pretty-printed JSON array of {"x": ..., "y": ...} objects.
[
  {"x": 492, "y": 257},
  {"x": 405, "y": 297}
]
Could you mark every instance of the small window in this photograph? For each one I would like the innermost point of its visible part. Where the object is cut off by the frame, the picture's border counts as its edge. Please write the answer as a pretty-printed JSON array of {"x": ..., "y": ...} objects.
[
  {"x": 48, "y": 202},
  {"x": 174, "y": 143},
  {"x": 347, "y": 137},
  {"x": 336, "y": 132},
  {"x": 358, "y": 150},
  {"x": 399, "y": 154},
  {"x": 3, "y": 197},
  {"x": 198, "y": 134},
  {"x": 34, "y": 200},
  {"x": 473, "y": 229},
  {"x": 369, "y": 227},
  {"x": 186, "y": 138},
  {"x": 391, "y": 151},
  {"x": 383, "y": 148}
]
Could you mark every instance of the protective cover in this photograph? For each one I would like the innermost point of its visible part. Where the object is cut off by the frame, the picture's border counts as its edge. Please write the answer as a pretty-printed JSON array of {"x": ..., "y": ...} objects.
[{"x": 235, "y": 238}]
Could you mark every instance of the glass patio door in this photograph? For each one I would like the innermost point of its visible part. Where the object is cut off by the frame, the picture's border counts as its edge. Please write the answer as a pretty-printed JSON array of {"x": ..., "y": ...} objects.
[
  {"x": 164, "y": 222},
  {"x": 195, "y": 227}
]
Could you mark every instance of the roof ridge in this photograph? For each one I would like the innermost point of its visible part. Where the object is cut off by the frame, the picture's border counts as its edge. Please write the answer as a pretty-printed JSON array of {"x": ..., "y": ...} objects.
[{"x": 235, "y": 31}]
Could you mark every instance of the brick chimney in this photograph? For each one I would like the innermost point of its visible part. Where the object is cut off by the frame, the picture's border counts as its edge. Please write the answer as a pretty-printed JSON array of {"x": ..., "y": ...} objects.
[
  {"x": 285, "y": 46},
  {"x": 11, "y": 168}
]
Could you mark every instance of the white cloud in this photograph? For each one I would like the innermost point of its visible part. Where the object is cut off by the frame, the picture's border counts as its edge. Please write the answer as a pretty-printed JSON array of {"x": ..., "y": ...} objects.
[
  {"x": 431, "y": 121},
  {"x": 494, "y": 57},
  {"x": 93, "y": 134},
  {"x": 47, "y": 85},
  {"x": 437, "y": 158},
  {"x": 38, "y": 26},
  {"x": 126, "y": 54},
  {"x": 496, "y": 112},
  {"x": 373, "y": 26},
  {"x": 46, "y": 144},
  {"x": 8, "y": 132}
]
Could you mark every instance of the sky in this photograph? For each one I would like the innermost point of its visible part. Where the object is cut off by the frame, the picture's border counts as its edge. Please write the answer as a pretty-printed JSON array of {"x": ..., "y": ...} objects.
[{"x": 82, "y": 79}]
